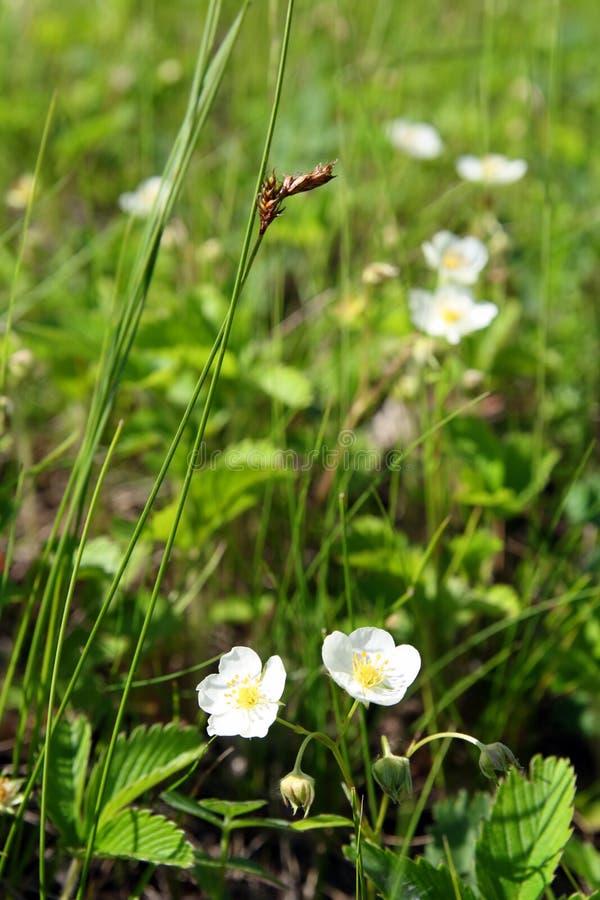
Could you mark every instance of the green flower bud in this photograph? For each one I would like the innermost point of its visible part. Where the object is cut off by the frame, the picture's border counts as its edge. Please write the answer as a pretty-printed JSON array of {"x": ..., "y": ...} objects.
[
  {"x": 298, "y": 790},
  {"x": 392, "y": 774},
  {"x": 496, "y": 757}
]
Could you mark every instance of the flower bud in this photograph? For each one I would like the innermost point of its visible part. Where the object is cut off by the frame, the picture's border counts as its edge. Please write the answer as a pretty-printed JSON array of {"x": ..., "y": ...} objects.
[
  {"x": 298, "y": 790},
  {"x": 496, "y": 757},
  {"x": 392, "y": 774}
]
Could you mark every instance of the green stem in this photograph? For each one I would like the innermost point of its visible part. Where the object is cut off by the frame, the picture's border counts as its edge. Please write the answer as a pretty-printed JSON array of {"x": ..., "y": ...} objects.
[
  {"x": 245, "y": 256},
  {"x": 440, "y": 736},
  {"x": 326, "y": 742}
]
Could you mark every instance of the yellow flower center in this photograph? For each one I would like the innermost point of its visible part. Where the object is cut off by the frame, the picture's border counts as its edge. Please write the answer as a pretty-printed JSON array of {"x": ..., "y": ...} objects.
[
  {"x": 248, "y": 696},
  {"x": 244, "y": 694},
  {"x": 452, "y": 260},
  {"x": 368, "y": 671},
  {"x": 450, "y": 316},
  {"x": 490, "y": 166},
  {"x": 4, "y": 790}
]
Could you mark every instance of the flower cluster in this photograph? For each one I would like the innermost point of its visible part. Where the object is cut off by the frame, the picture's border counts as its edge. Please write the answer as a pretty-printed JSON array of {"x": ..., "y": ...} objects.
[
  {"x": 451, "y": 311},
  {"x": 243, "y": 698},
  {"x": 422, "y": 141}
]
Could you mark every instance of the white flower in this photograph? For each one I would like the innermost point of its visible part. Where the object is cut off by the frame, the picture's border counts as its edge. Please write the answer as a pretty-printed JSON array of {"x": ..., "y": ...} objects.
[
  {"x": 378, "y": 272},
  {"x": 456, "y": 259},
  {"x": 450, "y": 312},
  {"x": 417, "y": 139},
  {"x": 140, "y": 203},
  {"x": 243, "y": 698},
  {"x": 19, "y": 193},
  {"x": 369, "y": 666},
  {"x": 491, "y": 169}
]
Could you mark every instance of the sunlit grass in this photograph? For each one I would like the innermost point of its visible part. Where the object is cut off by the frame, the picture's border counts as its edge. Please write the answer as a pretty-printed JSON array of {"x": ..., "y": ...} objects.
[{"x": 177, "y": 480}]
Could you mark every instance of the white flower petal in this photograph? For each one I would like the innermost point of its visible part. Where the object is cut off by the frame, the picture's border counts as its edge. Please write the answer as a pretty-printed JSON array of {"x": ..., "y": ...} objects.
[
  {"x": 273, "y": 679},
  {"x": 407, "y": 663},
  {"x": 227, "y": 724},
  {"x": 373, "y": 640},
  {"x": 240, "y": 659},
  {"x": 211, "y": 693}
]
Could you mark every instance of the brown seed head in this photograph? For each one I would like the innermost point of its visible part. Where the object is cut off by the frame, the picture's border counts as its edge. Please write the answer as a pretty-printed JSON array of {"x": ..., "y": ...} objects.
[{"x": 272, "y": 192}]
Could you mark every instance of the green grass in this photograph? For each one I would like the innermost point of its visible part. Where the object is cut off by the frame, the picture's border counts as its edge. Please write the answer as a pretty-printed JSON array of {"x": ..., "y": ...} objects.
[{"x": 126, "y": 570}]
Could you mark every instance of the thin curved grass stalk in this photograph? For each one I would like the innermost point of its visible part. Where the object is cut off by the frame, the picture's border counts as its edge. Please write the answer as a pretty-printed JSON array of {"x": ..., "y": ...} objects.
[
  {"x": 206, "y": 81},
  {"x": 59, "y": 646},
  {"x": 246, "y": 258},
  {"x": 207, "y": 78}
]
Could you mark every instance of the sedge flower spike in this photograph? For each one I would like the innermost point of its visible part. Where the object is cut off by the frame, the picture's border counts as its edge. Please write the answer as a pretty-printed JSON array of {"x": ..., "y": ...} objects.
[
  {"x": 450, "y": 312},
  {"x": 243, "y": 698},
  {"x": 273, "y": 192},
  {"x": 369, "y": 666},
  {"x": 494, "y": 168},
  {"x": 459, "y": 260}
]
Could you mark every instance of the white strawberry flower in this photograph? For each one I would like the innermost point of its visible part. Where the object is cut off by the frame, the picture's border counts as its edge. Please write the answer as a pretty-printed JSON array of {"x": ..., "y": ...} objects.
[
  {"x": 456, "y": 259},
  {"x": 417, "y": 139},
  {"x": 450, "y": 312},
  {"x": 493, "y": 168},
  {"x": 140, "y": 203},
  {"x": 243, "y": 698},
  {"x": 369, "y": 666}
]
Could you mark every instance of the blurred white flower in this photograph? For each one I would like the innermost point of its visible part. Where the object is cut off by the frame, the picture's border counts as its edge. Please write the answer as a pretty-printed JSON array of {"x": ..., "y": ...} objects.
[
  {"x": 140, "y": 203},
  {"x": 378, "y": 272},
  {"x": 417, "y": 139},
  {"x": 456, "y": 259},
  {"x": 243, "y": 698},
  {"x": 491, "y": 169},
  {"x": 169, "y": 71},
  {"x": 369, "y": 666},
  {"x": 19, "y": 193},
  {"x": 449, "y": 312}
]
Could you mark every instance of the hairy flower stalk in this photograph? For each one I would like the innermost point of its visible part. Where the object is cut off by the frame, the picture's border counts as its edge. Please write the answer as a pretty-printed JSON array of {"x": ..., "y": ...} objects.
[{"x": 273, "y": 193}]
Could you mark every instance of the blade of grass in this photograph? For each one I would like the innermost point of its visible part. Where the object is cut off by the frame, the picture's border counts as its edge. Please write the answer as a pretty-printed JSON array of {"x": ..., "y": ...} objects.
[{"x": 246, "y": 258}]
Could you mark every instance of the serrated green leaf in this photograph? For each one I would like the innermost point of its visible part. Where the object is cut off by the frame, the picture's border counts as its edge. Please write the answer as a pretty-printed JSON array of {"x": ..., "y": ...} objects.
[
  {"x": 67, "y": 768},
  {"x": 521, "y": 844},
  {"x": 210, "y": 809},
  {"x": 230, "y": 809},
  {"x": 583, "y": 859},
  {"x": 458, "y": 821},
  {"x": 396, "y": 877},
  {"x": 141, "y": 760},
  {"x": 140, "y": 834}
]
